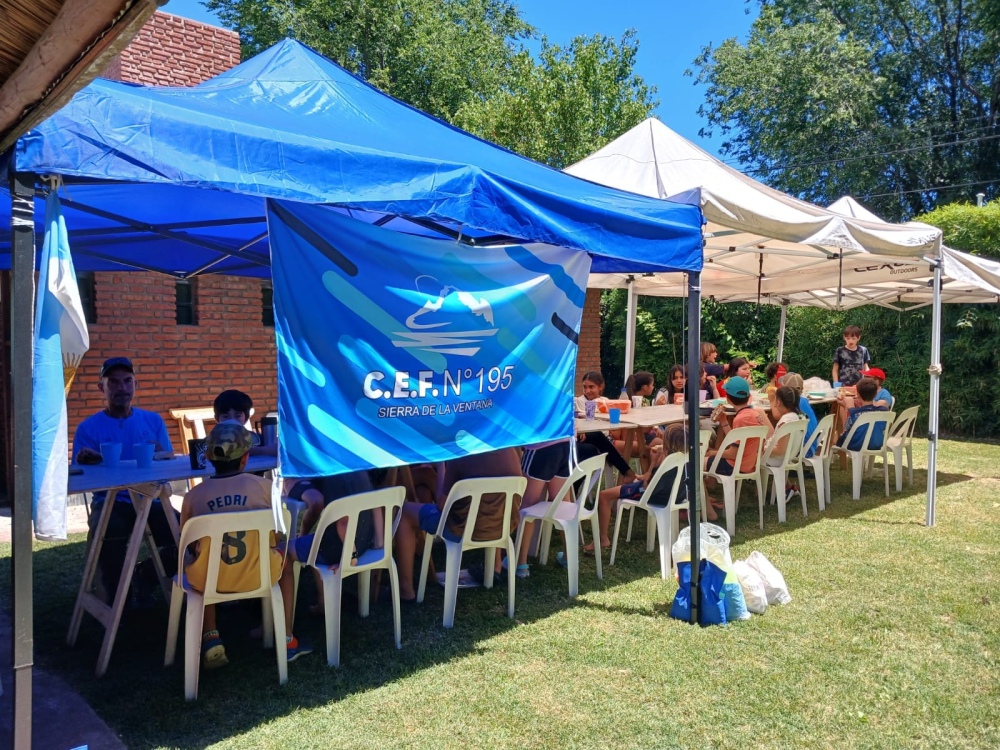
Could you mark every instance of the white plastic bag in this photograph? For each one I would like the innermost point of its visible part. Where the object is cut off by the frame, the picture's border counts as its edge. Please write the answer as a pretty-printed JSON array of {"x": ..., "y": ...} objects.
[
  {"x": 714, "y": 546},
  {"x": 774, "y": 582},
  {"x": 753, "y": 587}
]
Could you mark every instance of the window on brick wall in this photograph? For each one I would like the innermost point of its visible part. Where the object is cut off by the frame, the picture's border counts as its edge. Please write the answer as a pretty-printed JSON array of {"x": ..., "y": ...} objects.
[
  {"x": 184, "y": 301},
  {"x": 87, "y": 286},
  {"x": 267, "y": 305}
]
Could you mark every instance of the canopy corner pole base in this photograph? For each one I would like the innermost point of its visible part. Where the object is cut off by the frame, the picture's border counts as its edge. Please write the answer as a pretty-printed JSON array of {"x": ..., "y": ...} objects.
[
  {"x": 22, "y": 302},
  {"x": 692, "y": 404}
]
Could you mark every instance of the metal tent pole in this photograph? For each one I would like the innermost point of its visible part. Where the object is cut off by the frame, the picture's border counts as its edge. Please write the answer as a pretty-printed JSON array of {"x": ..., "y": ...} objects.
[
  {"x": 694, "y": 430},
  {"x": 630, "y": 317},
  {"x": 781, "y": 331},
  {"x": 22, "y": 300},
  {"x": 935, "y": 373}
]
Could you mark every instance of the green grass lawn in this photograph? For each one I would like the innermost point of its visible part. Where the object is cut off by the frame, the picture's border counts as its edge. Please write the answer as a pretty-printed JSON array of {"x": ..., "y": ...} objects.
[{"x": 891, "y": 640}]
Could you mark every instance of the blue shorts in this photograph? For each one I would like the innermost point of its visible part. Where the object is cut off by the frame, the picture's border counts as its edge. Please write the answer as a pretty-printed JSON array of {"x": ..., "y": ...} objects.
[
  {"x": 632, "y": 490},
  {"x": 724, "y": 468},
  {"x": 430, "y": 518}
]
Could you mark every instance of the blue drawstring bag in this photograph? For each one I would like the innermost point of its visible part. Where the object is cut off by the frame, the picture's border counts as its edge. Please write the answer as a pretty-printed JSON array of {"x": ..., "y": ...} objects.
[
  {"x": 713, "y": 608},
  {"x": 735, "y": 602}
]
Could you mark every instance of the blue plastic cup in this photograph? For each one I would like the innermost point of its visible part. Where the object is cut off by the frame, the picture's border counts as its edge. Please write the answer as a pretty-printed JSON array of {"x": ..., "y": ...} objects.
[
  {"x": 615, "y": 416},
  {"x": 837, "y": 384},
  {"x": 143, "y": 453},
  {"x": 111, "y": 453}
]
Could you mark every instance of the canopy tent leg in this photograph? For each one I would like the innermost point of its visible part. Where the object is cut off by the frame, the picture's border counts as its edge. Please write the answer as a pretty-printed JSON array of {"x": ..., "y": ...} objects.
[
  {"x": 630, "y": 318},
  {"x": 781, "y": 332},
  {"x": 694, "y": 421},
  {"x": 935, "y": 373},
  {"x": 22, "y": 300}
]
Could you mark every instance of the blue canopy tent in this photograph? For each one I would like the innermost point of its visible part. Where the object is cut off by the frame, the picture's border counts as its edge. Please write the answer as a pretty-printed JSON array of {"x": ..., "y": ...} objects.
[{"x": 175, "y": 180}]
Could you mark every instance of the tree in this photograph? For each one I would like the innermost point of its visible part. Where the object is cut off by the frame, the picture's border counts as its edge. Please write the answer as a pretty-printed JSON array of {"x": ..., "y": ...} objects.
[
  {"x": 466, "y": 62},
  {"x": 434, "y": 54},
  {"x": 894, "y": 101},
  {"x": 569, "y": 104}
]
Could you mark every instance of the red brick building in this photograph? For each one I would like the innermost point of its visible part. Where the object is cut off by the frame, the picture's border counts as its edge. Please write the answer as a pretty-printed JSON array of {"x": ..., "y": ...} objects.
[{"x": 223, "y": 340}]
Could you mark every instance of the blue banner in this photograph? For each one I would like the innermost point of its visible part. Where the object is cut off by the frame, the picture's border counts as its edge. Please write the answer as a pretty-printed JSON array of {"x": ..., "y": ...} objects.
[{"x": 395, "y": 349}]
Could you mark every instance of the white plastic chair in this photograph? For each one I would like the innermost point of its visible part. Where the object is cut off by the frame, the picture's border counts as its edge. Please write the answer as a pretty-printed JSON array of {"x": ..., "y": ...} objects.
[
  {"x": 567, "y": 517},
  {"x": 902, "y": 437},
  {"x": 822, "y": 439},
  {"x": 473, "y": 489},
  {"x": 732, "y": 484},
  {"x": 215, "y": 528},
  {"x": 860, "y": 458},
  {"x": 390, "y": 500},
  {"x": 790, "y": 460},
  {"x": 664, "y": 516}
]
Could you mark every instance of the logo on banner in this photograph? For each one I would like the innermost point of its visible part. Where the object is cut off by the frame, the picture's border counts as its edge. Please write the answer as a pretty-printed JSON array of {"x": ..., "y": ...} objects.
[{"x": 452, "y": 321}]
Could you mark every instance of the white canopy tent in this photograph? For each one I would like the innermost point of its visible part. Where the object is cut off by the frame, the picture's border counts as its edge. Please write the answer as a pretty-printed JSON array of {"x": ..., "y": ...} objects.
[{"x": 762, "y": 245}]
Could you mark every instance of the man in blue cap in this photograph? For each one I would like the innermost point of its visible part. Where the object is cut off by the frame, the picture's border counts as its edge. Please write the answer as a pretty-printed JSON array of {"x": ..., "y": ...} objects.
[{"x": 120, "y": 422}]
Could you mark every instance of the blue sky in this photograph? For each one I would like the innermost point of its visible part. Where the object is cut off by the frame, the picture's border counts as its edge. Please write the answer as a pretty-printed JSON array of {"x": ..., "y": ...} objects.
[{"x": 671, "y": 34}]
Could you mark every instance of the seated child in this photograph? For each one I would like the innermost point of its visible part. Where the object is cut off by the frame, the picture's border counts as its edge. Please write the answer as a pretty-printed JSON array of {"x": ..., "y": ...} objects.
[
  {"x": 235, "y": 406},
  {"x": 867, "y": 390},
  {"x": 883, "y": 397},
  {"x": 774, "y": 372},
  {"x": 738, "y": 394},
  {"x": 794, "y": 381},
  {"x": 673, "y": 442},
  {"x": 232, "y": 489}
]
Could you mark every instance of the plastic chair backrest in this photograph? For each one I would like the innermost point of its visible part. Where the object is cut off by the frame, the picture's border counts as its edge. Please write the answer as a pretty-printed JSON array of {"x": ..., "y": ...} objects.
[
  {"x": 821, "y": 437},
  {"x": 903, "y": 427},
  {"x": 741, "y": 435},
  {"x": 704, "y": 440},
  {"x": 870, "y": 418},
  {"x": 589, "y": 472},
  {"x": 350, "y": 507},
  {"x": 191, "y": 423},
  {"x": 675, "y": 461},
  {"x": 796, "y": 433},
  {"x": 475, "y": 489},
  {"x": 215, "y": 528}
]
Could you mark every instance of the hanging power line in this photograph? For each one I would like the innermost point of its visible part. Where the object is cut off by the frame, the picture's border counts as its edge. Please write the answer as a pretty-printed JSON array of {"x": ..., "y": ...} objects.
[
  {"x": 910, "y": 136},
  {"x": 863, "y": 157},
  {"x": 937, "y": 188}
]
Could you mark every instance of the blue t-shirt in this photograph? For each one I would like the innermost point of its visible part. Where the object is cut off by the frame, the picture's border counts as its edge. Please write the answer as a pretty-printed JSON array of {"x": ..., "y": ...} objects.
[
  {"x": 807, "y": 411},
  {"x": 859, "y": 437},
  {"x": 140, "y": 426},
  {"x": 884, "y": 395}
]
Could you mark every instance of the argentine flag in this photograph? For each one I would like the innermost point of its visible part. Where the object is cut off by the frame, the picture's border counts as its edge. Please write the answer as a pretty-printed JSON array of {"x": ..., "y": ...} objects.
[{"x": 61, "y": 339}]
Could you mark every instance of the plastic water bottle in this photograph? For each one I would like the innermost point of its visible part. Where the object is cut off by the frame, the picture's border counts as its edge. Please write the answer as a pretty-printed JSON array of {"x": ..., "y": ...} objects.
[{"x": 624, "y": 394}]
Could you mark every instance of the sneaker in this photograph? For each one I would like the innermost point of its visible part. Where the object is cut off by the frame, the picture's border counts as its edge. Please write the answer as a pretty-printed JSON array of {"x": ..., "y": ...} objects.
[
  {"x": 213, "y": 653},
  {"x": 561, "y": 559},
  {"x": 296, "y": 648},
  {"x": 522, "y": 570}
]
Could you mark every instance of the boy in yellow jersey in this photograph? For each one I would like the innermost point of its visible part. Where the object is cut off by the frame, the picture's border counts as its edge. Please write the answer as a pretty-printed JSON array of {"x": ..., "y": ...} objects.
[{"x": 231, "y": 489}]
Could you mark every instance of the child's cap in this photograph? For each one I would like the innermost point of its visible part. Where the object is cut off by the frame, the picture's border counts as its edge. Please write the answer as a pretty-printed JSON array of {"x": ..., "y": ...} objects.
[
  {"x": 738, "y": 387},
  {"x": 874, "y": 372},
  {"x": 228, "y": 441}
]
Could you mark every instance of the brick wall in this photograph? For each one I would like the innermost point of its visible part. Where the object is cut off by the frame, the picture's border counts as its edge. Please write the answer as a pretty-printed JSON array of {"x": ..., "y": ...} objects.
[
  {"x": 178, "y": 365},
  {"x": 589, "y": 355},
  {"x": 174, "y": 51}
]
